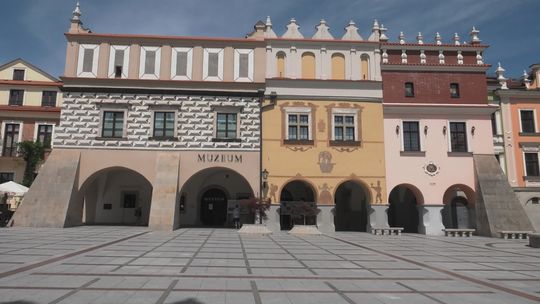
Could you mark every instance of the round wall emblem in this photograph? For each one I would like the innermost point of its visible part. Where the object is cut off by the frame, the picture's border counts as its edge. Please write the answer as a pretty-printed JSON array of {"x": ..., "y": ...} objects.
[{"x": 431, "y": 168}]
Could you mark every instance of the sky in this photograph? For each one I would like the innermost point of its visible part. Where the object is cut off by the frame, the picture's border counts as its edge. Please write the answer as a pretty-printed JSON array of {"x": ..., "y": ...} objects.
[{"x": 33, "y": 29}]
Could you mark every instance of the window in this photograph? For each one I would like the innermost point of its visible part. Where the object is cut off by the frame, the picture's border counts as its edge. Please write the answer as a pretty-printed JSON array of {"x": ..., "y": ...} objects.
[
  {"x": 226, "y": 125},
  {"x": 18, "y": 74},
  {"x": 364, "y": 66},
  {"x": 298, "y": 126},
  {"x": 181, "y": 63},
  {"x": 150, "y": 62},
  {"x": 129, "y": 199},
  {"x": 243, "y": 67},
  {"x": 344, "y": 128},
  {"x": 494, "y": 123},
  {"x": 87, "y": 63},
  {"x": 281, "y": 57},
  {"x": 44, "y": 135},
  {"x": 213, "y": 64},
  {"x": 454, "y": 90},
  {"x": 411, "y": 136},
  {"x": 113, "y": 124},
  {"x": 16, "y": 97},
  {"x": 528, "y": 124},
  {"x": 163, "y": 124},
  {"x": 531, "y": 164},
  {"x": 338, "y": 66},
  {"x": 6, "y": 177},
  {"x": 11, "y": 139},
  {"x": 119, "y": 61},
  {"x": 308, "y": 65},
  {"x": 48, "y": 99},
  {"x": 458, "y": 137},
  {"x": 409, "y": 89}
]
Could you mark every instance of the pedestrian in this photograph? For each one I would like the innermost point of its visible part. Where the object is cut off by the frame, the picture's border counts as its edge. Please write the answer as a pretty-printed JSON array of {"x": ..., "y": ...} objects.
[{"x": 236, "y": 217}]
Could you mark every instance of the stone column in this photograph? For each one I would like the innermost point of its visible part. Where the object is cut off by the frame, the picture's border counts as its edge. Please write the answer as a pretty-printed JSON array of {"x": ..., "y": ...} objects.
[
  {"x": 430, "y": 216},
  {"x": 378, "y": 217},
  {"x": 325, "y": 219},
  {"x": 164, "y": 208}
]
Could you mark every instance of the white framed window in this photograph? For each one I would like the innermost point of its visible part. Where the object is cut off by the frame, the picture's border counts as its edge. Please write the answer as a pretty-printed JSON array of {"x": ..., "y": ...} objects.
[
  {"x": 411, "y": 136},
  {"x": 298, "y": 124},
  {"x": 164, "y": 123},
  {"x": 19, "y": 73},
  {"x": 181, "y": 63},
  {"x": 458, "y": 139},
  {"x": 227, "y": 123},
  {"x": 345, "y": 125},
  {"x": 213, "y": 64},
  {"x": 150, "y": 62},
  {"x": 88, "y": 60},
  {"x": 243, "y": 65},
  {"x": 44, "y": 133},
  {"x": 527, "y": 121},
  {"x": 530, "y": 162},
  {"x": 113, "y": 123},
  {"x": 11, "y": 136},
  {"x": 119, "y": 61}
]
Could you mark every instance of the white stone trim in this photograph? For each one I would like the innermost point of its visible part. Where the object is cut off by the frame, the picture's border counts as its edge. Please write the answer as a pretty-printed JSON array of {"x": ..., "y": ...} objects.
[
  {"x": 237, "y": 53},
  {"x": 534, "y": 117},
  {"x": 16, "y": 122},
  {"x": 125, "y": 64},
  {"x": 206, "y": 53},
  {"x": 349, "y": 112},
  {"x": 189, "y": 66},
  {"x": 157, "y": 62},
  {"x": 298, "y": 111},
  {"x": 80, "y": 61},
  {"x": 46, "y": 123},
  {"x": 20, "y": 68}
]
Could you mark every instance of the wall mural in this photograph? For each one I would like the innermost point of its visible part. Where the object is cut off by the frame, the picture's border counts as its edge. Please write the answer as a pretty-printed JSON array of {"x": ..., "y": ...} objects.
[
  {"x": 325, "y": 162},
  {"x": 325, "y": 197},
  {"x": 378, "y": 190}
]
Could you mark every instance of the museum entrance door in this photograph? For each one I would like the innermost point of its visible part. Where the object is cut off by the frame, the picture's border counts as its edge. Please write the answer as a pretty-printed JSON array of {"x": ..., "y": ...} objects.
[{"x": 214, "y": 207}]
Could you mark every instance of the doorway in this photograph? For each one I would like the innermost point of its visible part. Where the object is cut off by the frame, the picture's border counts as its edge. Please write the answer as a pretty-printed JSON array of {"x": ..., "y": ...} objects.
[{"x": 214, "y": 207}]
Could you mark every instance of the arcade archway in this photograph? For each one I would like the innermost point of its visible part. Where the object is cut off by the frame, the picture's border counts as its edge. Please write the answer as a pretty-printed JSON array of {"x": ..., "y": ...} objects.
[
  {"x": 116, "y": 196},
  {"x": 297, "y": 205},
  {"x": 403, "y": 210},
  {"x": 458, "y": 211},
  {"x": 209, "y": 197},
  {"x": 352, "y": 203}
]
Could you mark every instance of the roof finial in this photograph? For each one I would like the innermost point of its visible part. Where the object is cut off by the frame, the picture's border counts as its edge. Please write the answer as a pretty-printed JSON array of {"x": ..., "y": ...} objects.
[
  {"x": 293, "y": 30},
  {"x": 268, "y": 31},
  {"x": 420, "y": 38},
  {"x": 401, "y": 38},
  {"x": 77, "y": 12},
  {"x": 456, "y": 39},
  {"x": 474, "y": 36},
  {"x": 351, "y": 32},
  {"x": 383, "y": 36},
  {"x": 438, "y": 39},
  {"x": 526, "y": 79},
  {"x": 323, "y": 31},
  {"x": 374, "y": 31},
  {"x": 500, "y": 77}
]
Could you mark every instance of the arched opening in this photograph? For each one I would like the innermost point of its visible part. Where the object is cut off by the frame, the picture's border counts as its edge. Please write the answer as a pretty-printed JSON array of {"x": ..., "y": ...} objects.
[
  {"x": 338, "y": 66},
  {"x": 209, "y": 197},
  {"x": 352, "y": 203},
  {"x": 458, "y": 210},
  {"x": 308, "y": 65},
  {"x": 297, "y": 205},
  {"x": 403, "y": 209},
  {"x": 116, "y": 196},
  {"x": 280, "y": 60},
  {"x": 364, "y": 67}
]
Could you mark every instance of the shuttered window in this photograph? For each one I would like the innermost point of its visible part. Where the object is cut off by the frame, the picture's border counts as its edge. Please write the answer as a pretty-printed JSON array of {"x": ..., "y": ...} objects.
[
  {"x": 213, "y": 65},
  {"x": 88, "y": 60},
  {"x": 150, "y": 62},
  {"x": 181, "y": 63}
]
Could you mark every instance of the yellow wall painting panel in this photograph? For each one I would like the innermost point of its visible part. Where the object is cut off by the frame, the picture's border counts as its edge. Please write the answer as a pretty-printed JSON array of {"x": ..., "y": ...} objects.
[
  {"x": 281, "y": 65},
  {"x": 308, "y": 65},
  {"x": 364, "y": 66},
  {"x": 338, "y": 66}
]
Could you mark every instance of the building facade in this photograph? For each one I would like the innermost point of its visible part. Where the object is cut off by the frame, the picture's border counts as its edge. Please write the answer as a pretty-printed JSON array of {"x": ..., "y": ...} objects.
[
  {"x": 322, "y": 128},
  {"x": 158, "y": 131},
  {"x": 30, "y": 102},
  {"x": 435, "y": 120},
  {"x": 519, "y": 106}
]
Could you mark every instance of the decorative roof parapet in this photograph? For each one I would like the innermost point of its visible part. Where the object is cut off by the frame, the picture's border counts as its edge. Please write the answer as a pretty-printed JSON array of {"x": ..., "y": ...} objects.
[
  {"x": 383, "y": 37},
  {"x": 323, "y": 31},
  {"x": 438, "y": 39},
  {"x": 351, "y": 32},
  {"x": 474, "y": 36},
  {"x": 293, "y": 30},
  {"x": 268, "y": 31},
  {"x": 456, "y": 39},
  {"x": 420, "y": 38},
  {"x": 401, "y": 38},
  {"x": 526, "y": 79},
  {"x": 375, "y": 31},
  {"x": 500, "y": 77}
]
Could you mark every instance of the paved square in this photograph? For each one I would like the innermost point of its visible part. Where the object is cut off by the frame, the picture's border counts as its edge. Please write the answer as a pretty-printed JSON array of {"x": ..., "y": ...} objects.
[{"x": 95, "y": 264}]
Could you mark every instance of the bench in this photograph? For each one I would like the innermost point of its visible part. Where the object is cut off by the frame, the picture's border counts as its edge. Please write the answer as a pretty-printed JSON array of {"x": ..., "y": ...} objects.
[
  {"x": 514, "y": 234},
  {"x": 458, "y": 232},
  {"x": 387, "y": 230},
  {"x": 534, "y": 240}
]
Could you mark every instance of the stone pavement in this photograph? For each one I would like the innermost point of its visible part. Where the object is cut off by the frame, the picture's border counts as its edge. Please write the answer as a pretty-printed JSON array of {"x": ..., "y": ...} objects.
[{"x": 96, "y": 264}]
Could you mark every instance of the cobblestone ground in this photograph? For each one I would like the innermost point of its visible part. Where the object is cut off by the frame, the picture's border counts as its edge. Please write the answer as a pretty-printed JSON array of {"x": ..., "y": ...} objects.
[{"x": 206, "y": 266}]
